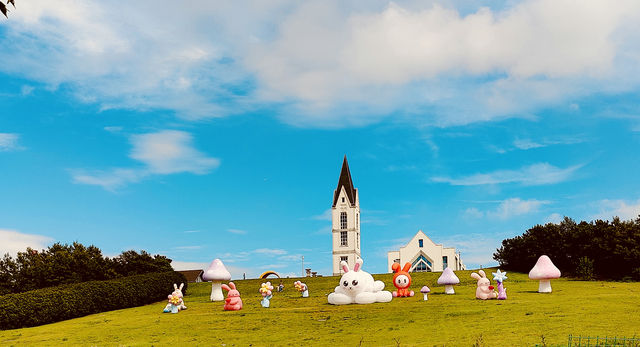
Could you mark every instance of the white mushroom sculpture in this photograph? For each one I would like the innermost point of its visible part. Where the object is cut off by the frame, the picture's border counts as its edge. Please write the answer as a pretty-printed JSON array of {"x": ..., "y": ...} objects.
[
  {"x": 544, "y": 271},
  {"x": 425, "y": 291},
  {"x": 448, "y": 279},
  {"x": 216, "y": 273}
]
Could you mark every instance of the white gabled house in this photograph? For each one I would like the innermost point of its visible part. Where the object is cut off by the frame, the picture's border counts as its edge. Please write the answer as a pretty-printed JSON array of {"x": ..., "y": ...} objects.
[{"x": 425, "y": 255}]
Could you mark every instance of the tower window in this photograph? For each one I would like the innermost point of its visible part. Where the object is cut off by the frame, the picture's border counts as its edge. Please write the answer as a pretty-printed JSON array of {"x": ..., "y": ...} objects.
[
  {"x": 343, "y": 238},
  {"x": 343, "y": 220},
  {"x": 357, "y": 218},
  {"x": 420, "y": 243},
  {"x": 343, "y": 199},
  {"x": 444, "y": 262},
  {"x": 358, "y": 239}
]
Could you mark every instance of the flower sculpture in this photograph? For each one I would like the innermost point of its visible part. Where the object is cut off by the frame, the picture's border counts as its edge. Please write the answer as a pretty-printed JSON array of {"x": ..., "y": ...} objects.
[
  {"x": 302, "y": 288},
  {"x": 266, "y": 291},
  {"x": 499, "y": 277}
]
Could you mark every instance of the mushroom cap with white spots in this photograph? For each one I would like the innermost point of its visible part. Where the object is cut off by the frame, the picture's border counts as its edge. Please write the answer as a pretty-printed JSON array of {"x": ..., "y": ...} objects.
[
  {"x": 216, "y": 272},
  {"x": 448, "y": 277},
  {"x": 544, "y": 269}
]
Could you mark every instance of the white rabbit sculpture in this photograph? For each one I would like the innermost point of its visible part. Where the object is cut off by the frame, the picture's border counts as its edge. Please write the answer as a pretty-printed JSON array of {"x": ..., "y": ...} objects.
[
  {"x": 485, "y": 289},
  {"x": 176, "y": 303},
  {"x": 358, "y": 287}
]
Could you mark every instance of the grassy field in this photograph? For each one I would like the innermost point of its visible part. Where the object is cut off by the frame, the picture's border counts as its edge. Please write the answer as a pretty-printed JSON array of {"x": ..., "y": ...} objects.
[{"x": 574, "y": 307}]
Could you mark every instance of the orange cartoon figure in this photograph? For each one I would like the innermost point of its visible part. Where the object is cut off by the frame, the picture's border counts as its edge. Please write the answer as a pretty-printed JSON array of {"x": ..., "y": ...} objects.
[{"x": 402, "y": 280}]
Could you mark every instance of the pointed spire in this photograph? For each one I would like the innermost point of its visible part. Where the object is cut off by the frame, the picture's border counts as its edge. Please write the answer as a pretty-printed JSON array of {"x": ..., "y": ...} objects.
[{"x": 345, "y": 181}]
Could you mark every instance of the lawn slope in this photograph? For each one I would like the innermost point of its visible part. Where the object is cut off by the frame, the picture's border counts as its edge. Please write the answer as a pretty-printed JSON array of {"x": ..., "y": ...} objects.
[{"x": 574, "y": 307}]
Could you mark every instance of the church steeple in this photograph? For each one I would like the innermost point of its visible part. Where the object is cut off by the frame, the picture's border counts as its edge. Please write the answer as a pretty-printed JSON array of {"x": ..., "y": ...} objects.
[
  {"x": 346, "y": 182},
  {"x": 345, "y": 221}
]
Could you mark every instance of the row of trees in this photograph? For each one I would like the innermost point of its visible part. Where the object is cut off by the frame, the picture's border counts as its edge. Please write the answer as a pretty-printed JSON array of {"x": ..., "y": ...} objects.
[
  {"x": 599, "y": 249},
  {"x": 63, "y": 264}
]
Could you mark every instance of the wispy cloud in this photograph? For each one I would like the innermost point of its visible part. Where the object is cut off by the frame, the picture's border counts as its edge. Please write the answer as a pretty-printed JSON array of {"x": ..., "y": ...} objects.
[
  {"x": 326, "y": 215},
  {"x": 9, "y": 142},
  {"x": 237, "y": 231},
  {"x": 620, "y": 208},
  {"x": 191, "y": 231},
  {"x": 188, "y": 248},
  {"x": 507, "y": 209},
  {"x": 14, "y": 241},
  {"x": 525, "y": 144},
  {"x": 537, "y": 174},
  {"x": 270, "y": 251},
  {"x": 554, "y": 218},
  {"x": 161, "y": 153}
]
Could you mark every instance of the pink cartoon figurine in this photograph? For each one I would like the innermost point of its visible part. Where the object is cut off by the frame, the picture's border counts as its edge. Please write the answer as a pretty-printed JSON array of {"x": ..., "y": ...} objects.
[
  {"x": 485, "y": 290},
  {"x": 233, "y": 301}
]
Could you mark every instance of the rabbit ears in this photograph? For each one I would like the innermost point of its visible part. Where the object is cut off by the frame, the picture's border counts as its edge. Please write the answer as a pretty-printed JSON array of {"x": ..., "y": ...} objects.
[
  {"x": 481, "y": 275},
  {"x": 356, "y": 268},
  {"x": 396, "y": 267},
  {"x": 229, "y": 287},
  {"x": 175, "y": 286}
]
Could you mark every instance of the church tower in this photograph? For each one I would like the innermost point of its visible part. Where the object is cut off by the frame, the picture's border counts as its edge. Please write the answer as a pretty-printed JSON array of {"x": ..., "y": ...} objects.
[{"x": 345, "y": 216}]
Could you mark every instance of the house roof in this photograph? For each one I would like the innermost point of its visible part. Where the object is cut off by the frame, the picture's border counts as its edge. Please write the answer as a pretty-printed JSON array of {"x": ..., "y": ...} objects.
[
  {"x": 345, "y": 181},
  {"x": 191, "y": 275}
]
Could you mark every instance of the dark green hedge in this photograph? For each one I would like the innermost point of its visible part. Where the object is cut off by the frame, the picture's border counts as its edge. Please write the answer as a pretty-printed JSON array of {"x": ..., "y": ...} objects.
[{"x": 53, "y": 304}]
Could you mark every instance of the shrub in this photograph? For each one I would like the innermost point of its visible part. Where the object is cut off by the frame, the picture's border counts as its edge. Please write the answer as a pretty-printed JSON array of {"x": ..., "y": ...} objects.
[
  {"x": 584, "y": 269},
  {"x": 53, "y": 304}
]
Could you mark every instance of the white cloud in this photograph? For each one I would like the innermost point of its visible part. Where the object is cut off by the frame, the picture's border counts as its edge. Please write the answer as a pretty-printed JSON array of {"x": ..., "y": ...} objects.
[
  {"x": 237, "y": 231},
  {"x": 191, "y": 231},
  {"x": 326, "y": 215},
  {"x": 162, "y": 153},
  {"x": 110, "y": 180},
  {"x": 554, "y": 218},
  {"x": 113, "y": 129},
  {"x": 14, "y": 241},
  {"x": 9, "y": 142},
  {"x": 526, "y": 144},
  {"x": 270, "y": 251},
  {"x": 170, "y": 151},
  {"x": 473, "y": 213},
  {"x": 187, "y": 248},
  {"x": 507, "y": 209},
  {"x": 329, "y": 63},
  {"x": 515, "y": 207},
  {"x": 537, "y": 174},
  {"x": 620, "y": 208}
]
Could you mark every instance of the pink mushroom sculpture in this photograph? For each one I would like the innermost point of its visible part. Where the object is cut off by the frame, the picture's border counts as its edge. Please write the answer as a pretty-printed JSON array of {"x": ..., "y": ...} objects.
[
  {"x": 216, "y": 273},
  {"x": 544, "y": 271},
  {"x": 448, "y": 279}
]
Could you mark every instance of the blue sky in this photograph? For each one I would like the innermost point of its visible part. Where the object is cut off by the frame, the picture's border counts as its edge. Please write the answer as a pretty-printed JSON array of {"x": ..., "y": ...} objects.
[{"x": 218, "y": 129}]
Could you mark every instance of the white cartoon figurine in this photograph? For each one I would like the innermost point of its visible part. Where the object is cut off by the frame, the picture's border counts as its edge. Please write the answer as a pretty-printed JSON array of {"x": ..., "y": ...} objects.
[
  {"x": 358, "y": 287},
  {"x": 485, "y": 290},
  {"x": 176, "y": 304}
]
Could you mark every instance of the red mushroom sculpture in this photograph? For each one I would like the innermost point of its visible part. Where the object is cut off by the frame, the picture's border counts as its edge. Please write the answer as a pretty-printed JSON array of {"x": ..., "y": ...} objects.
[{"x": 544, "y": 271}]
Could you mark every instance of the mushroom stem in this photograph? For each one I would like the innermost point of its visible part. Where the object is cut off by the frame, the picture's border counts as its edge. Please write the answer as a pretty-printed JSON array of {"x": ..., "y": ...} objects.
[
  {"x": 448, "y": 289},
  {"x": 545, "y": 286},
  {"x": 425, "y": 296},
  {"x": 216, "y": 291}
]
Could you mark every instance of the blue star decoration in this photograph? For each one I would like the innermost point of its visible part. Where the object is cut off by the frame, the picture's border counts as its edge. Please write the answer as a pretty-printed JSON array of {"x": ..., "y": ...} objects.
[{"x": 499, "y": 276}]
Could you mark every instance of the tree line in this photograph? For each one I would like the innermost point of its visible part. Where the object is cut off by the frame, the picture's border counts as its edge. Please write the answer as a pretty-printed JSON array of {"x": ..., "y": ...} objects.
[
  {"x": 64, "y": 264},
  {"x": 598, "y": 249}
]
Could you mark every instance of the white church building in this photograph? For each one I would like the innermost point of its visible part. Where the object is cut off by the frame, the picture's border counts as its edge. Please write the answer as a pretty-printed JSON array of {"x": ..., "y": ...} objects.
[
  {"x": 425, "y": 255},
  {"x": 421, "y": 252}
]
